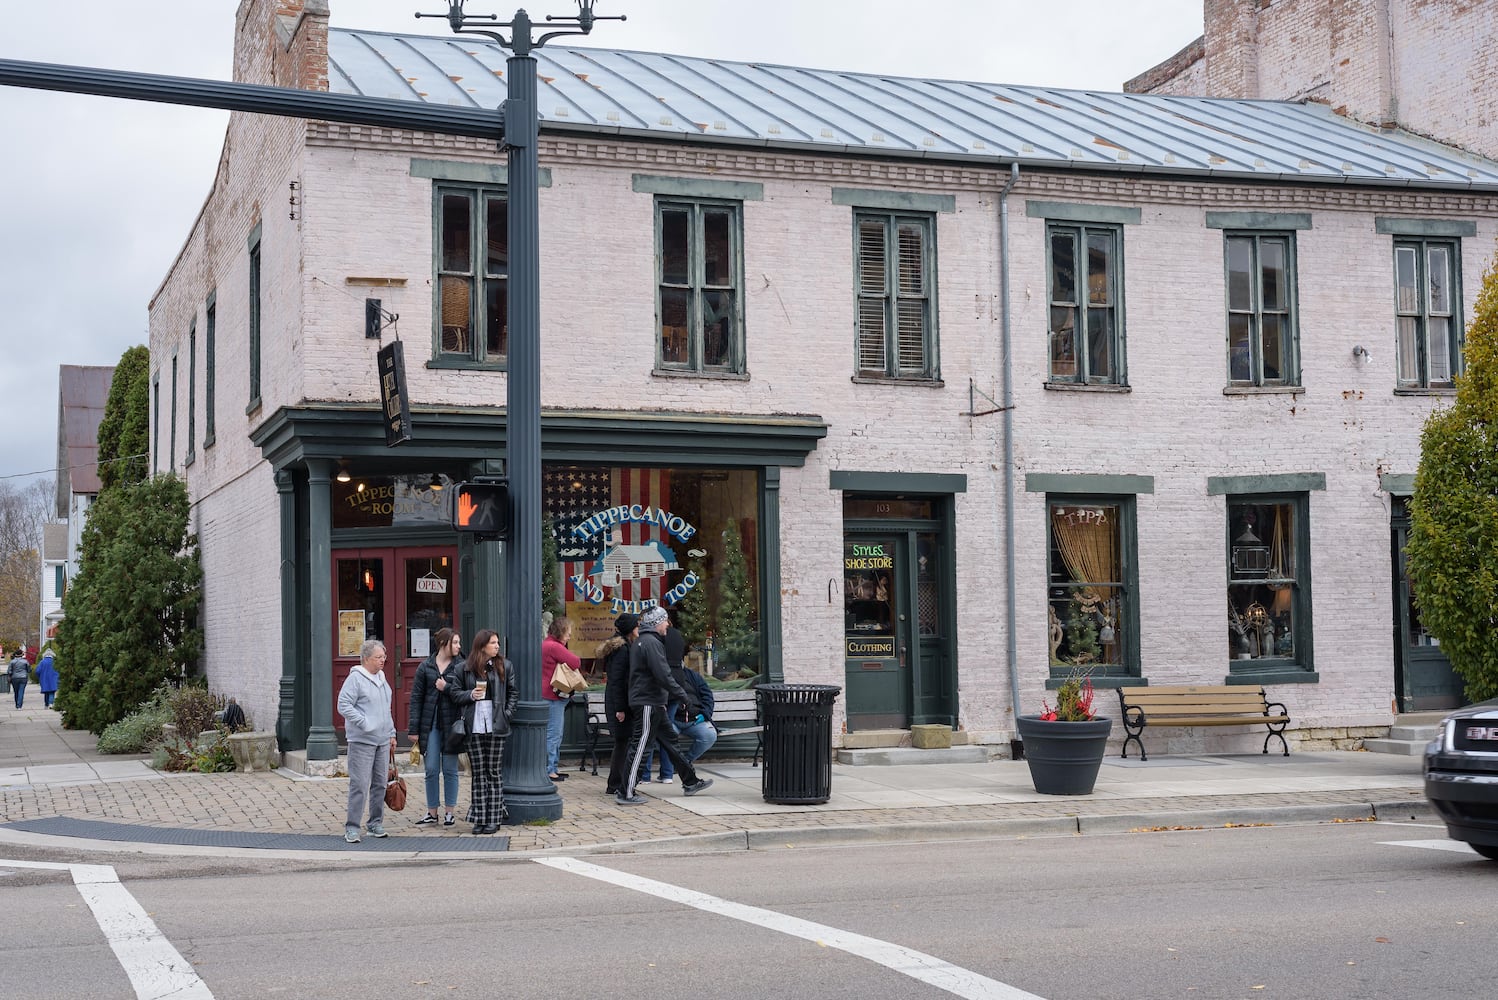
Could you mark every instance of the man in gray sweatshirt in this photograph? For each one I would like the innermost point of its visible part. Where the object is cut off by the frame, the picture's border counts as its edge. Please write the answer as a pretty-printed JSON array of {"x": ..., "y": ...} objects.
[{"x": 364, "y": 703}]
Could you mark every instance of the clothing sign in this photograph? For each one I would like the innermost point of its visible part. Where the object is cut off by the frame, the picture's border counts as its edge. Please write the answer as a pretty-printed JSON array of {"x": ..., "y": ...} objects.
[{"x": 394, "y": 401}]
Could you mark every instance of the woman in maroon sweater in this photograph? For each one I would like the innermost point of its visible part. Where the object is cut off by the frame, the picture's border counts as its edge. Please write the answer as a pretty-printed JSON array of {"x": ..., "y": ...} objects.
[{"x": 553, "y": 651}]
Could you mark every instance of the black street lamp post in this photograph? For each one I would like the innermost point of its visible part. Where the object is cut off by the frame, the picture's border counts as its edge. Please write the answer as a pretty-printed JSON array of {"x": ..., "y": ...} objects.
[{"x": 528, "y": 793}]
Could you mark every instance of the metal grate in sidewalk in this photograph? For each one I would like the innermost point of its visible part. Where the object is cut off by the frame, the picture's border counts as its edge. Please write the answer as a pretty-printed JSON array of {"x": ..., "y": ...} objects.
[{"x": 64, "y": 826}]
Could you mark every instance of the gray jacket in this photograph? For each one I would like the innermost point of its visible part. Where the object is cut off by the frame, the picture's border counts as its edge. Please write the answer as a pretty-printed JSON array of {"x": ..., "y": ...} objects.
[
  {"x": 20, "y": 670},
  {"x": 364, "y": 703}
]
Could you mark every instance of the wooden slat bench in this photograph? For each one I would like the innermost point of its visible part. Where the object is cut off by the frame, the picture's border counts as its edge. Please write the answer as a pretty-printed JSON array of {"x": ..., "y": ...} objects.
[
  {"x": 735, "y": 712},
  {"x": 1200, "y": 705}
]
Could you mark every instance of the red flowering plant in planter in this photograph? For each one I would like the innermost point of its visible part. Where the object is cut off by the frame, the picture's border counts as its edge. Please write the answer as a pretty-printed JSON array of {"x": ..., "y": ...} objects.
[{"x": 1073, "y": 702}]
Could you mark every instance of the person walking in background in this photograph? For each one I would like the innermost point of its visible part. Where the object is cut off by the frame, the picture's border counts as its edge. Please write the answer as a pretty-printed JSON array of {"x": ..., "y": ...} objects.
[
  {"x": 431, "y": 716},
  {"x": 20, "y": 673},
  {"x": 6, "y": 672},
  {"x": 613, "y": 652},
  {"x": 46, "y": 678},
  {"x": 680, "y": 717},
  {"x": 364, "y": 703},
  {"x": 553, "y": 651},
  {"x": 485, "y": 693},
  {"x": 651, "y": 687}
]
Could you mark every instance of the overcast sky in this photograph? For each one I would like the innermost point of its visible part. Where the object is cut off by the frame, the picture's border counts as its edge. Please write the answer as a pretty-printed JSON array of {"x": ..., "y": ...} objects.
[{"x": 97, "y": 195}]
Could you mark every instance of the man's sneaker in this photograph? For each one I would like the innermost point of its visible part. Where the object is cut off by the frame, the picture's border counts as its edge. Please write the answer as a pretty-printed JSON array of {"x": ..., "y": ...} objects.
[
  {"x": 700, "y": 785},
  {"x": 377, "y": 831},
  {"x": 351, "y": 836},
  {"x": 666, "y": 780},
  {"x": 633, "y": 800}
]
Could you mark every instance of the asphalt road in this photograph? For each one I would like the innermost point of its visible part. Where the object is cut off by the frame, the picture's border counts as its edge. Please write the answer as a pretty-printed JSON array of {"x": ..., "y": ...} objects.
[{"x": 1332, "y": 911}]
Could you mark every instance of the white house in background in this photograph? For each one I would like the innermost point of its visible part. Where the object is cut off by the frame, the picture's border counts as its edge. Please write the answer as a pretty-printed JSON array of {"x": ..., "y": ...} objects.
[
  {"x": 54, "y": 580},
  {"x": 777, "y": 304},
  {"x": 82, "y": 391}
]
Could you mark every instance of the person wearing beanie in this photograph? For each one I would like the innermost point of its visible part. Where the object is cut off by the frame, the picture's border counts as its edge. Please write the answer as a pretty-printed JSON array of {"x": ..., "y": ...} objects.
[
  {"x": 614, "y": 654},
  {"x": 651, "y": 686}
]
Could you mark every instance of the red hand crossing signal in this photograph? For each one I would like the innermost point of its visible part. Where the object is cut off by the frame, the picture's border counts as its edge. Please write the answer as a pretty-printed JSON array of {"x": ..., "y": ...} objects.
[{"x": 483, "y": 509}]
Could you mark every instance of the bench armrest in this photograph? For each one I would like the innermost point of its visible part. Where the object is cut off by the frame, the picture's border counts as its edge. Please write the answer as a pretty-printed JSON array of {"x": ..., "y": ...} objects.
[{"x": 1275, "y": 704}]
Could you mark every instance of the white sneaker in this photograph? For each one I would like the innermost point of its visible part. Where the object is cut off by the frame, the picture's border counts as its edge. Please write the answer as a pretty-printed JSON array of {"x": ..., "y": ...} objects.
[{"x": 665, "y": 781}]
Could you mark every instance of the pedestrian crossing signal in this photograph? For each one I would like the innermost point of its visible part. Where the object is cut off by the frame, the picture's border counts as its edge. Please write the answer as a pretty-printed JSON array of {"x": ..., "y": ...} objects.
[{"x": 482, "y": 509}]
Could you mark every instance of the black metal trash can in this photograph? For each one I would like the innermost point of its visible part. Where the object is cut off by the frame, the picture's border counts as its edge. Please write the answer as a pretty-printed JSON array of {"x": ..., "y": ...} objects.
[{"x": 798, "y": 742}]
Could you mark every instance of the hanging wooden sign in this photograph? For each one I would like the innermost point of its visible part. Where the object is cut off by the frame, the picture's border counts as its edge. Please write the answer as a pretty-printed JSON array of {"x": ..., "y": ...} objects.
[{"x": 395, "y": 404}]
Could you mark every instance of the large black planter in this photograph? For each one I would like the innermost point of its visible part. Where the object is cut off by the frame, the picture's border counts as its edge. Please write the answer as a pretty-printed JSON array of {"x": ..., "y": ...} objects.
[{"x": 1064, "y": 757}]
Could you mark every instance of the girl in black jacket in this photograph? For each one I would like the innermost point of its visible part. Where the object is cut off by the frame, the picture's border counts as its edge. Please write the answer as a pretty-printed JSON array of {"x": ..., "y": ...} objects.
[
  {"x": 485, "y": 691},
  {"x": 432, "y": 715}
]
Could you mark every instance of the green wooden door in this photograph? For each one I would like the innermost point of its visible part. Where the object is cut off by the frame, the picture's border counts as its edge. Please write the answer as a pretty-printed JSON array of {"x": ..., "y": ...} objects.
[
  {"x": 877, "y": 632},
  {"x": 1423, "y": 678}
]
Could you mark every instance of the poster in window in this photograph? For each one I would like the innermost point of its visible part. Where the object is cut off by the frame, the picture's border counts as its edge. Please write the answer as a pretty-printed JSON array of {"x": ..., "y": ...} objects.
[{"x": 350, "y": 632}]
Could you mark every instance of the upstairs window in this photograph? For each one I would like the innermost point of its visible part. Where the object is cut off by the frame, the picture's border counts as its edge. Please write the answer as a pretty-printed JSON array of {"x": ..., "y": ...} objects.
[
  {"x": 1262, "y": 336},
  {"x": 472, "y": 281},
  {"x": 1086, "y": 316},
  {"x": 699, "y": 299},
  {"x": 895, "y": 265},
  {"x": 1426, "y": 307},
  {"x": 254, "y": 320}
]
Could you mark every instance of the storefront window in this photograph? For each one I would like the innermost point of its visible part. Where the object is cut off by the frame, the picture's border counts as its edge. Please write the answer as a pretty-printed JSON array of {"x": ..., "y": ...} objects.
[
  {"x": 1087, "y": 595},
  {"x": 629, "y": 538},
  {"x": 391, "y": 501},
  {"x": 1263, "y": 585}
]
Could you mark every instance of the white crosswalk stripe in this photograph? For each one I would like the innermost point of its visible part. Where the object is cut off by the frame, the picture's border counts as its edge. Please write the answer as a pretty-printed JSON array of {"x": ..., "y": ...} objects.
[{"x": 155, "y": 968}]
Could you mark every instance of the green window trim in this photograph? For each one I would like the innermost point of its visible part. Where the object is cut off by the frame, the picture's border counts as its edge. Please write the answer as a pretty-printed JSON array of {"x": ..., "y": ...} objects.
[
  {"x": 210, "y": 347},
  {"x": 897, "y": 482},
  {"x": 699, "y": 291},
  {"x": 697, "y": 188},
  {"x": 254, "y": 320},
  {"x": 1285, "y": 221},
  {"x": 1399, "y": 484},
  {"x": 192, "y": 394},
  {"x": 1087, "y": 482},
  {"x": 470, "y": 276},
  {"x": 1260, "y": 296},
  {"x": 1285, "y": 482},
  {"x": 1065, "y": 211},
  {"x": 171, "y": 456},
  {"x": 1122, "y": 617},
  {"x": 895, "y": 310},
  {"x": 156, "y": 422},
  {"x": 491, "y": 174},
  {"x": 895, "y": 201},
  {"x": 1429, "y": 336},
  {"x": 1085, "y": 314},
  {"x": 1450, "y": 228}
]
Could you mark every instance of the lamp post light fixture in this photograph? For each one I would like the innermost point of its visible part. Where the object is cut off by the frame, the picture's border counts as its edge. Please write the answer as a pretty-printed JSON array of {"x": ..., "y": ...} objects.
[{"x": 529, "y": 794}]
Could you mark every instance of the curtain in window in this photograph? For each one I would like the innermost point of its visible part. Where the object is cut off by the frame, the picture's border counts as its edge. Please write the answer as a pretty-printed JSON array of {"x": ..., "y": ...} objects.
[{"x": 1088, "y": 539}]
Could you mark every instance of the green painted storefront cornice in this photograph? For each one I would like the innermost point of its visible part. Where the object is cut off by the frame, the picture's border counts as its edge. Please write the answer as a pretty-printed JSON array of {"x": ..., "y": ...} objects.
[{"x": 443, "y": 436}]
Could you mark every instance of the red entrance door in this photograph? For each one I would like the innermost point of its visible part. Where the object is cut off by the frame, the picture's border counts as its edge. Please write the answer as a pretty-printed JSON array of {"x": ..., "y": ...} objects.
[{"x": 399, "y": 596}]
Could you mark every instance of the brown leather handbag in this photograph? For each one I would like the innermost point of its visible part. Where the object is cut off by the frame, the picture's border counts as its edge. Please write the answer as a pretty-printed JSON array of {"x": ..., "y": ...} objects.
[{"x": 395, "y": 790}]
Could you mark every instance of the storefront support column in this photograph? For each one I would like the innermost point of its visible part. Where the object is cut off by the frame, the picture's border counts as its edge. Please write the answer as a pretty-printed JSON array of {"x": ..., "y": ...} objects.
[
  {"x": 769, "y": 603},
  {"x": 291, "y": 720},
  {"x": 322, "y": 740}
]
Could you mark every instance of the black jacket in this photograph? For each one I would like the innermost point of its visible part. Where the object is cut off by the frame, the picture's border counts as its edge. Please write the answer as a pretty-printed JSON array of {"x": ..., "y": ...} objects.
[
  {"x": 699, "y": 695},
  {"x": 614, "y": 652},
  {"x": 650, "y": 680},
  {"x": 503, "y": 693},
  {"x": 428, "y": 705}
]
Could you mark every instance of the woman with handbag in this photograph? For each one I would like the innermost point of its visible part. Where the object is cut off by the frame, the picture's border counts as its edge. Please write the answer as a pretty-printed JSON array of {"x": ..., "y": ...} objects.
[
  {"x": 484, "y": 691},
  {"x": 432, "y": 715},
  {"x": 554, "y": 651}
]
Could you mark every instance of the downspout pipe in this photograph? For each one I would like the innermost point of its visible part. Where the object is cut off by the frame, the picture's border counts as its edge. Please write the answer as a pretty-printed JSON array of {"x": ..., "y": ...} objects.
[{"x": 1011, "y": 646}]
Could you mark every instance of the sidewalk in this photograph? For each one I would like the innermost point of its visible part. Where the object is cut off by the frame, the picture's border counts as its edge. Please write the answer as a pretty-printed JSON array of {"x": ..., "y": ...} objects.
[{"x": 50, "y": 779}]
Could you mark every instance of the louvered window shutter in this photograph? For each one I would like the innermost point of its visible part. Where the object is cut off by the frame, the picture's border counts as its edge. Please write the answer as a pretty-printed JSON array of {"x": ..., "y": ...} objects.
[
  {"x": 873, "y": 271},
  {"x": 911, "y": 302}
]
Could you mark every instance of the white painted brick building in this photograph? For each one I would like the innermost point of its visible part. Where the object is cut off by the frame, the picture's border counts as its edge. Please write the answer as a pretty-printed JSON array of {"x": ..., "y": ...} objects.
[{"x": 871, "y": 507}]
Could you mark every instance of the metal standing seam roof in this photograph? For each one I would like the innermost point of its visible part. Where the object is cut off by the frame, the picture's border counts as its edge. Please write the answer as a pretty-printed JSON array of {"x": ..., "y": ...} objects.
[{"x": 650, "y": 95}]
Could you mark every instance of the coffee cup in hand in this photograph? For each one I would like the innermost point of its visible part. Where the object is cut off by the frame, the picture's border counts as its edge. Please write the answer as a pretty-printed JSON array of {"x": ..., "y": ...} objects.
[{"x": 480, "y": 690}]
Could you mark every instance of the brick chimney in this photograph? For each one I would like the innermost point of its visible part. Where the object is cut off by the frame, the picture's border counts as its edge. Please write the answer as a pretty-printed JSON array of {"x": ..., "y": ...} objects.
[
  {"x": 282, "y": 43},
  {"x": 1231, "y": 42}
]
